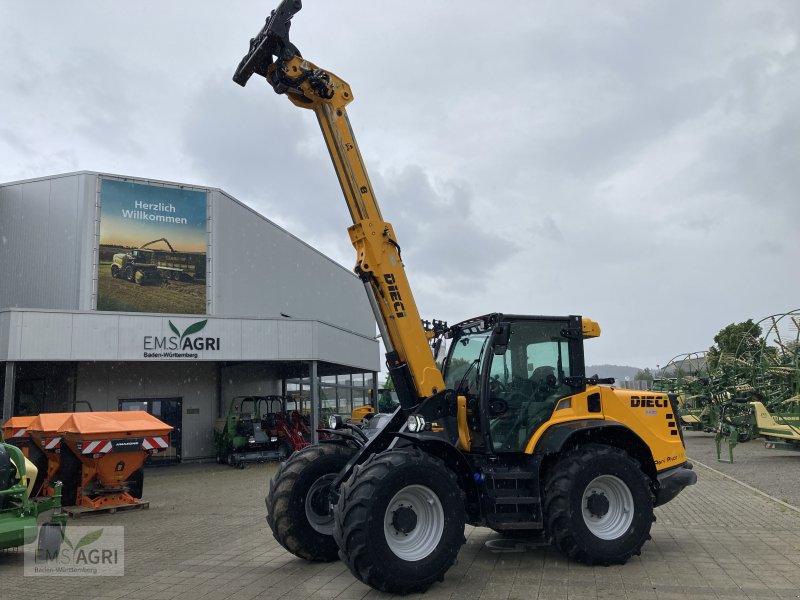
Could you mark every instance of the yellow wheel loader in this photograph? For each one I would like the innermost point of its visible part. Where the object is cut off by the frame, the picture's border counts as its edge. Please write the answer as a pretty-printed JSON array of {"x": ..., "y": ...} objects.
[{"x": 510, "y": 434}]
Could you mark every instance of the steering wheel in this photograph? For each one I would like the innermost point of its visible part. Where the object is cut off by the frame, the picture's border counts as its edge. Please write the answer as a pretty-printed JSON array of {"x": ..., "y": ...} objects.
[
  {"x": 496, "y": 386},
  {"x": 516, "y": 399},
  {"x": 510, "y": 395}
]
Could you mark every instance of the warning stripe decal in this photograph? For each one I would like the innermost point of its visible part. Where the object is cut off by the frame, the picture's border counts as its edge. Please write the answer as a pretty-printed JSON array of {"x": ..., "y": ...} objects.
[
  {"x": 19, "y": 432},
  {"x": 52, "y": 443},
  {"x": 98, "y": 447},
  {"x": 155, "y": 443}
]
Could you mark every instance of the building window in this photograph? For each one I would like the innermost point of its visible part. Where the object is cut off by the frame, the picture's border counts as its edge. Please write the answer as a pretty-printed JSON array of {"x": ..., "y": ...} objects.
[{"x": 339, "y": 394}]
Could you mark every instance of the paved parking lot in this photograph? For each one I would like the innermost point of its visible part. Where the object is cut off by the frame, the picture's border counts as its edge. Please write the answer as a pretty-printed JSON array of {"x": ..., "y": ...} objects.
[{"x": 205, "y": 537}]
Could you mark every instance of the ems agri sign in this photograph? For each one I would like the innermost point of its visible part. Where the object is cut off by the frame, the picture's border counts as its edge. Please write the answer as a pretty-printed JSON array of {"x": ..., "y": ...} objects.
[
  {"x": 184, "y": 344},
  {"x": 81, "y": 552}
]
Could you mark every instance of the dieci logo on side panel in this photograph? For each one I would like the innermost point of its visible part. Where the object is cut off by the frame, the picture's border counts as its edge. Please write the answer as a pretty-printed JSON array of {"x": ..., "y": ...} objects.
[{"x": 180, "y": 345}]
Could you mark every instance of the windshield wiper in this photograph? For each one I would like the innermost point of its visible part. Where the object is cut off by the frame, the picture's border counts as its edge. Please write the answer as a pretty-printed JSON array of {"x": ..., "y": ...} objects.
[
  {"x": 471, "y": 366},
  {"x": 467, "y": 372}
]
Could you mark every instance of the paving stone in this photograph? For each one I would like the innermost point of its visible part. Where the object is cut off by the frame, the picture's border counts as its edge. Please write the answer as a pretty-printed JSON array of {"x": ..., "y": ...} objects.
[{"x": 205, "y": 538}]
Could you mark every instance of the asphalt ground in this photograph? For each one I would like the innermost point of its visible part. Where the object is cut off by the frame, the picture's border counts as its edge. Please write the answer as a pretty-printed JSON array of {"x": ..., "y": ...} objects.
[{"x": 205, "y": 537}]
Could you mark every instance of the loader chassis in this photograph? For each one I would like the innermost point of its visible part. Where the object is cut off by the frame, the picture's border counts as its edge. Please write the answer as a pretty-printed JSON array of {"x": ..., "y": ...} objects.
[{"x": 509, "y": 434}]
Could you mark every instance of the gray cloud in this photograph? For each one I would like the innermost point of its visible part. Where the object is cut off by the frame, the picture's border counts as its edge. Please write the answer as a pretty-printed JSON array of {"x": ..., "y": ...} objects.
[{"x": 635, "y": 162}]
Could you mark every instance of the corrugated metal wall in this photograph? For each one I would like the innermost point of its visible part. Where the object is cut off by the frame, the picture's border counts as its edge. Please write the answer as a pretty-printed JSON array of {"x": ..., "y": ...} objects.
[
  {"x": 261, "y": 270},
  {"x": 46, "y": 242}
]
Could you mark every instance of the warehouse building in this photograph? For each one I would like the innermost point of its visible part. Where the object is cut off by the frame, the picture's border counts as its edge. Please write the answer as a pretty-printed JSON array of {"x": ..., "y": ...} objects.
[{"x": 118, "y": 293}]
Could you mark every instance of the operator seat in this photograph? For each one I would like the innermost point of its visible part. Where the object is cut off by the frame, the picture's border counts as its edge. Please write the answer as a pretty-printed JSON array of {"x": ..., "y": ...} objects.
[
  {"x": 244, "y": 426},
  {"x": 544, "y": 398},
  {"x": 271, "y": 420}
]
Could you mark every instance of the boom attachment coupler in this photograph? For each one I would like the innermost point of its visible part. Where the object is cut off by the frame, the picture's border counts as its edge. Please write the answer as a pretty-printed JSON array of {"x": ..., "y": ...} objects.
[{"x": 271, "y": 41}]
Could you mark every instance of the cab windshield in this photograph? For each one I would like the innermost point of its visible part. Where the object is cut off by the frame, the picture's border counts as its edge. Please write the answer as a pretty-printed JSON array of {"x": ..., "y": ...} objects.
[{"x": 463, "y": 363}]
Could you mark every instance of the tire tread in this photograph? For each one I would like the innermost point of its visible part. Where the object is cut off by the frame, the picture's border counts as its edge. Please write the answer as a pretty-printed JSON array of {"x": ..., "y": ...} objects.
[
  {"x": 354, "y": 509},
  {"x": 558, "y": 511}
]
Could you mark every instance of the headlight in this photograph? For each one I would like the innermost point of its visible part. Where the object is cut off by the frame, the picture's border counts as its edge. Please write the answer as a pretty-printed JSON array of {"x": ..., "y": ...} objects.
[
  {"x": 273, "y": 439},
  {"x": 251, "y": 440},
  {"x": 335, "y": 422},
  {"x": 415, "y": 423}
]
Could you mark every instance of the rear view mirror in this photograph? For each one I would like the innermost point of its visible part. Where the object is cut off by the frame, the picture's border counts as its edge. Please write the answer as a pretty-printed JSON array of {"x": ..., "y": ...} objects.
[{"x": 502, "y": 333}]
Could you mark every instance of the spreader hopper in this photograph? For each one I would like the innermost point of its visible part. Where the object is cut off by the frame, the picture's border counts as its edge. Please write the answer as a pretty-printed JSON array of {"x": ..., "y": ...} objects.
[{"x": 103, "y": 454}]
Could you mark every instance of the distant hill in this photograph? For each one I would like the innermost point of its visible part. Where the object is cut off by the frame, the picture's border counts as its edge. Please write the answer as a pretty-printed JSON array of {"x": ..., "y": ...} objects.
[{"x": 618, "y": 372}]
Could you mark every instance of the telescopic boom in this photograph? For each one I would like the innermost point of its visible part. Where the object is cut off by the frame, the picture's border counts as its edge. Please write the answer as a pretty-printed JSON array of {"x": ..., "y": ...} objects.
[{"x": 379, "y": 263}]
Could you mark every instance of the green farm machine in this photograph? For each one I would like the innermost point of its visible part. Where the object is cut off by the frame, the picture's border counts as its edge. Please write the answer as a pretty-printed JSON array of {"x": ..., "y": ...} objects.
[
  {"x": 145, "y": 265},
  {"x": 19, "y": 513},
  {"x": 258, "y": 429},
  {"x": 137, "y": 266},
  {"x": 765, "y": 396},
  {"x": 752, "y": 392}
]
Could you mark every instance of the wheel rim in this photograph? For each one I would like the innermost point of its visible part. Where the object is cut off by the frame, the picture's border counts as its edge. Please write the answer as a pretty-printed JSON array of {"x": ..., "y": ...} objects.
[
  {"x": 414, "y": 523},
  {"x": 318, "y": 510},
  {"x": 607, "y": 507}
]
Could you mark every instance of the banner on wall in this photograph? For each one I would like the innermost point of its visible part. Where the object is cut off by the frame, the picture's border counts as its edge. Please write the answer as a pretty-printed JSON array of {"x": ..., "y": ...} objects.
[{"x": 153, "y": 246}]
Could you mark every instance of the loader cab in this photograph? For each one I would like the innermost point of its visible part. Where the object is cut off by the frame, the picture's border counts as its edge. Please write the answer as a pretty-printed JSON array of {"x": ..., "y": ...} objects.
[{"x": 513, "y": 371}]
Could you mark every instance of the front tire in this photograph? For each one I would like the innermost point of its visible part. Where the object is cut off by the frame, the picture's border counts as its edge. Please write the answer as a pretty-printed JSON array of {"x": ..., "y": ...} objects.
[
  {"x": 598, "y": 505},
  {"x": 400, "y": 521},
  {"x": 298, "y": 512}
]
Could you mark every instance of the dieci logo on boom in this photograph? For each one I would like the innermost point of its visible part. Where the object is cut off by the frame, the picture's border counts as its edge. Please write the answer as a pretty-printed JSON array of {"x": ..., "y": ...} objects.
[{"x": 182, "y": 341}]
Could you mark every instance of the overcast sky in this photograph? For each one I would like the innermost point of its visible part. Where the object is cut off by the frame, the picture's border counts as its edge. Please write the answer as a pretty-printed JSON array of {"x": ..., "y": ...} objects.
[{"x": 635, "y": 162}]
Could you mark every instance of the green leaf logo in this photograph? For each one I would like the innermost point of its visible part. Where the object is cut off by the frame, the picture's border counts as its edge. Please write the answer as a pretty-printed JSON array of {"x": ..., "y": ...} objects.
[
  {"x": 66, "y": 539},
  {"x": 89, "y": 538},
  {"x": 193, "y": 328}
]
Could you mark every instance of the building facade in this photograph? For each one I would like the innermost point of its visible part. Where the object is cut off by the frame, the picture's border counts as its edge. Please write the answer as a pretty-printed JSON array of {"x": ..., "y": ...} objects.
[{"x": 122, "y": 293}]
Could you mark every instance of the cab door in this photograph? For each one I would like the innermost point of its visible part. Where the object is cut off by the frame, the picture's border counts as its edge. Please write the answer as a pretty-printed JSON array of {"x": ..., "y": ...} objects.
[{"x": 523, "y": 381}]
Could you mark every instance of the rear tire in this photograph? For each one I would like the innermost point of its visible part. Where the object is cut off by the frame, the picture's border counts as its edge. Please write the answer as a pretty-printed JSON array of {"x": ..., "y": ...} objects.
[
  {"x": 400, "y": 521},
  {"x": 598, "y": 505},
  {"x": 297, "y": 504},
  {"x": 130, "y": 274}
]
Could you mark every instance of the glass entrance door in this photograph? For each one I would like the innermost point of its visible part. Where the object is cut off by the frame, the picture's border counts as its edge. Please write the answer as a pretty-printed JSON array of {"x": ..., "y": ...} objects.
[{"x": 167, "y": 410}]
